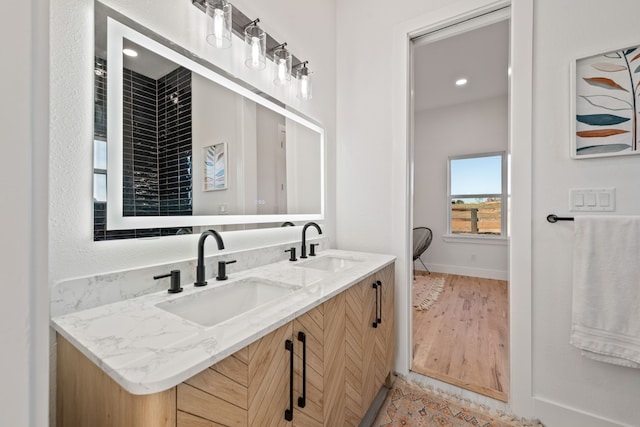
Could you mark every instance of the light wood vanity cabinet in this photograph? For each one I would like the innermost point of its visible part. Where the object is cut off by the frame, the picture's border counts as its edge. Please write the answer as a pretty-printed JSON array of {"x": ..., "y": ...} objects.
[
  {"x": 347, "y": 361},
  {"x": 248, "y": 388},
  {"x": 369, "y": 341}
]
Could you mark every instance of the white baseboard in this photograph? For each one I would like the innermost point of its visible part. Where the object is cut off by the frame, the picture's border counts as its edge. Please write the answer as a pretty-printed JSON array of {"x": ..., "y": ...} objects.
[
  {"x": 553, "y": 414},
  {"x": 467, "y": 271}
]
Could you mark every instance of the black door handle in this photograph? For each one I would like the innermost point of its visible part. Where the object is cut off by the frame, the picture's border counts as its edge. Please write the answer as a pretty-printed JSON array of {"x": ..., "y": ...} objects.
[
  {"x": 380, "y": 308},
  {"x": 375, "y": 317},
  {"x": 288, "y": 413},
  {"x": 302, "y": 400}
]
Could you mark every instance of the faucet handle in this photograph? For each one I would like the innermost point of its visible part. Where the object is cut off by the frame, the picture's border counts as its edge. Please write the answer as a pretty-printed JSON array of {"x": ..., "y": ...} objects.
[
  {"x": 312, "y": 249},
  {"x": 222, "y": 269},
  {"x": 293, "y": 254},
  {"x": 175, "y": 281}
]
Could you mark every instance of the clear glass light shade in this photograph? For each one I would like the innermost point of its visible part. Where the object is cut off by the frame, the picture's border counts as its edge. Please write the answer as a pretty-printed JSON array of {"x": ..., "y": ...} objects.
[
  {"x": 303, "y": 77},
  {"x": 256, "y": 42},
  {"x": 282, "y": 70},
  {"x": 219, "y": 23}
]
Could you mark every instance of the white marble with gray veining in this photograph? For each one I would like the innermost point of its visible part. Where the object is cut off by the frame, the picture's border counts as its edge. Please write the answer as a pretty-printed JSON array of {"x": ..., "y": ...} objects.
[
  {"x": 146, "y": 349},
  {"x": 82, "y": 293}
]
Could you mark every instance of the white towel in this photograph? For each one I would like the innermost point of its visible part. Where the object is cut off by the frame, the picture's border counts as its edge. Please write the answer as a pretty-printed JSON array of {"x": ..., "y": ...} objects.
[{"x": 606, "y": 289}]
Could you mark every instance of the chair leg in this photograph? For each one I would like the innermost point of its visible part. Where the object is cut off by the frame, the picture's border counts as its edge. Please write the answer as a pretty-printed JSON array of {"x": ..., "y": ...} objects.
[{"x": 423, "y": 266}]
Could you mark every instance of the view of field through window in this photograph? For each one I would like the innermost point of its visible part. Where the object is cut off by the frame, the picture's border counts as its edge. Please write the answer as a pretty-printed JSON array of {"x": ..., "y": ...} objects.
[
  {"x": 476, "y": 216},
  {"x": 476, "y": 193}
]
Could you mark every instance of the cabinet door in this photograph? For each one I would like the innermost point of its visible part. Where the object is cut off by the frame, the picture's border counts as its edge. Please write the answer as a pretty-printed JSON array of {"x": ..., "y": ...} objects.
[
  {"x": 334, "y": 360},
  {"x": 248, "y": 388},
  {"x": 360, "y": 375},
  {"x": 269, "y": 376},
  {"x": 385, "y": 338},
  {"x": 309, "y": 368}
]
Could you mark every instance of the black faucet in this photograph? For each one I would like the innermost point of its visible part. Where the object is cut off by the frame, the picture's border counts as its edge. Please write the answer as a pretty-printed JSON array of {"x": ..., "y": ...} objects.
[
  {"x": 303, "y": 252},
  {"x": 200, "y": 268}
]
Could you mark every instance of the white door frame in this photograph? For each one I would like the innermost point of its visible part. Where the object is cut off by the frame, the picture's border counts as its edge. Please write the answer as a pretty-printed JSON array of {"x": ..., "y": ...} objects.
[{"x": 520, "y": 146}]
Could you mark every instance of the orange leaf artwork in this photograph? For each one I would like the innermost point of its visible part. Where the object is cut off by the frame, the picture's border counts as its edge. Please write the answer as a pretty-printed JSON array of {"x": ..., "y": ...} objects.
[
  {"x": 604, "y": 82},
  {"x": 607, "y": 104},
  {"x": 600, "y": 133}
]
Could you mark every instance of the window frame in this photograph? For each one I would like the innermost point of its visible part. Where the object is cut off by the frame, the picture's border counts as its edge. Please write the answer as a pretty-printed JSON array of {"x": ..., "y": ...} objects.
[
  {"x": 503, "y": 198},
  {"x": 98, "y": 171}
]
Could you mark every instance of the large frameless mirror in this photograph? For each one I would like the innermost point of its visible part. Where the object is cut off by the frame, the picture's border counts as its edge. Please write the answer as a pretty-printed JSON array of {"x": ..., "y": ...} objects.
[{"x": 186, "y": 146}]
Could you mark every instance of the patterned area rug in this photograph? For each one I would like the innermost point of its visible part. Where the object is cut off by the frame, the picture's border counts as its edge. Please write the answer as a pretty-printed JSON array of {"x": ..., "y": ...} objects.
[
  {"x": 409, "y": 405},
  {"x": 426, "y": 290}
]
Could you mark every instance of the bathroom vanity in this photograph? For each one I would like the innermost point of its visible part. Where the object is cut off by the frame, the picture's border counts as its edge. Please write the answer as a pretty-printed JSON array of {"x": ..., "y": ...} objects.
[{"x": 314, "y": 353}]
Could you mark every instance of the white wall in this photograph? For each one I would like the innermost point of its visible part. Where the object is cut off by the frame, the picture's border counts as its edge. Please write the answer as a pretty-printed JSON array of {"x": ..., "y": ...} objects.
[
  {"x": 565, "y": 382},
  {"x": 567, "y": 389},
  {"x": 23, "y": 252},
  {"x": 472, "y": 128},
  {"x": 364, "y": 169},
  {"x": 73, "y": 252}
]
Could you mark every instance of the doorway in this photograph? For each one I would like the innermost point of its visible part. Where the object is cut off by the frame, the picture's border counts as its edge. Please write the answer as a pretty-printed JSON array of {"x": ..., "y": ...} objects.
[{"x": 460, "y": 118}]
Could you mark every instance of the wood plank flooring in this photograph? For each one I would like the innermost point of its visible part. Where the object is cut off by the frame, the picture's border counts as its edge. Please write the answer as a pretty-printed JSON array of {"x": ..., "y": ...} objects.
[{"x": 463, "y": 339}]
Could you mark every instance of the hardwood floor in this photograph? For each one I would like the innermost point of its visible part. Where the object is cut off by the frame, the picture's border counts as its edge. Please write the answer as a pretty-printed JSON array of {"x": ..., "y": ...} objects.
[{"x": 463, "y": 338}]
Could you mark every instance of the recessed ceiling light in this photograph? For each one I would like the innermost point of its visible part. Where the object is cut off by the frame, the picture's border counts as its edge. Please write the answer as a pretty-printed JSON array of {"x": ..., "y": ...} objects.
[
  {"x": 129, "y": 52},
  {"x": 461, "y": 82},
  {"x": 509, "y": 71}
]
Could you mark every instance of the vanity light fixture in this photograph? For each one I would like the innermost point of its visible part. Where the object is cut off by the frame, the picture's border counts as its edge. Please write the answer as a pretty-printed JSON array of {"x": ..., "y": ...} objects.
[
  {"x": 303, "y": 76},
  {"x": 461, "y": 82},
  {"x": 130, "y": 52},
  {"x": 219, "y": 23},
  {"x": 256, "y": 41},
  {"x": 282, "y": 70},
  {"x": 224, "y": 19}
]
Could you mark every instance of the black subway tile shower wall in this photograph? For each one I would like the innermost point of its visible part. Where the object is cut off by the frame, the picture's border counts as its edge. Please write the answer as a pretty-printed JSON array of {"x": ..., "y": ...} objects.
[
  {"x": 156, "y": 145},
  {"x": 174, "y": 143},
  {"x": 140, "y": 146}
]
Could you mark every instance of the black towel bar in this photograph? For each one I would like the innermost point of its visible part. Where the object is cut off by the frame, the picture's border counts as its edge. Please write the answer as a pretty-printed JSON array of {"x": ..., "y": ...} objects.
[{"x": 553, "y": 218}]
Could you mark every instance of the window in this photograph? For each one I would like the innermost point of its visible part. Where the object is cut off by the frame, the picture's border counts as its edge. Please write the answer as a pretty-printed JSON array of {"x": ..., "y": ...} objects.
[
  {"x": 477, "y": 195},
  {"x": 99, "y": 170}
]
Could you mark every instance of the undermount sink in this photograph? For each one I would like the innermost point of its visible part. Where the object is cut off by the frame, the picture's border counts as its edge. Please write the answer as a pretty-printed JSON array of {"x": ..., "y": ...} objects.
[
  {"x": 221, "y": 303},
  {"x": 329, "y": 263}
]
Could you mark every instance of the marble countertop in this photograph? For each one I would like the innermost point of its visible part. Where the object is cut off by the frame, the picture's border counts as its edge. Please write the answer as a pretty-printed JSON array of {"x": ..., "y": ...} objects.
[{"x": 146, "y": 349}]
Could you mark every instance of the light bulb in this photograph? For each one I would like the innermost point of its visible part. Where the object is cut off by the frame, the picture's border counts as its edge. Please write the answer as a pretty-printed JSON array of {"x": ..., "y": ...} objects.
[
  {"x": 255, "y": 52},
  {"x": 304, "y": 87},
  {"x": 282, "y": 70},
  {"x": 218, "y": 26}
]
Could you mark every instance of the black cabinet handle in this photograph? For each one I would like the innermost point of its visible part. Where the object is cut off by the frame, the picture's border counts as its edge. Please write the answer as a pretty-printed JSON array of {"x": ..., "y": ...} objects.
[
  {"x": 302, "y": 400},
  {"x": 380, "y": 308},
  {"x": 288, "y": 413},
  {"x": 375, "y": 319}
]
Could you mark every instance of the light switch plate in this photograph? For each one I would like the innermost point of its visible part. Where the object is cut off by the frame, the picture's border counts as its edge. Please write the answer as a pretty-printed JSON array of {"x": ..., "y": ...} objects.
[{"x": 592, "y": 199}]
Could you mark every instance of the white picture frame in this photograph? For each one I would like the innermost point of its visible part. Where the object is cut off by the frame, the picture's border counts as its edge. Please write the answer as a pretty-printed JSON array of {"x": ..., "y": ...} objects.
[
  {"x": 605, "y": 104},
  {"x": 215, "y": 167}
]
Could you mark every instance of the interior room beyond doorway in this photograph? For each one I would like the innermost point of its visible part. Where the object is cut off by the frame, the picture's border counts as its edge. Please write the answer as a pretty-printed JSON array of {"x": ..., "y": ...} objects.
[{"x": 460, "y": 85}]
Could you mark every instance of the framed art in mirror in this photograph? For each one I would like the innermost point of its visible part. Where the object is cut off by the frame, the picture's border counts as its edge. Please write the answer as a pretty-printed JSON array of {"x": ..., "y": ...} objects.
[{"x": 215, "y": 167}]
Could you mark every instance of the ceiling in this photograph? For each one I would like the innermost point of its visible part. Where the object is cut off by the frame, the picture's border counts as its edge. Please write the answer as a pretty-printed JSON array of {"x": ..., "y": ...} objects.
[
  {"x": 480, "y": 55},
  {"x": 147, "y": 63}
]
